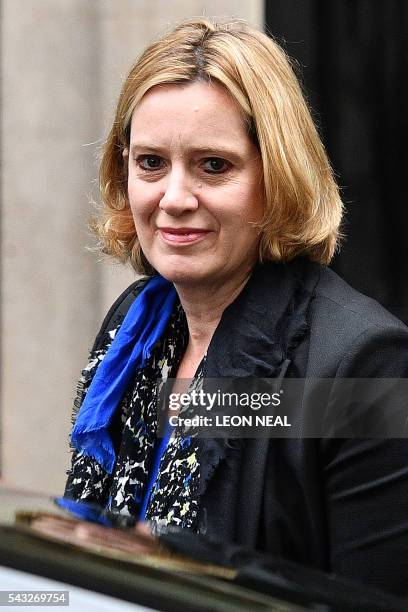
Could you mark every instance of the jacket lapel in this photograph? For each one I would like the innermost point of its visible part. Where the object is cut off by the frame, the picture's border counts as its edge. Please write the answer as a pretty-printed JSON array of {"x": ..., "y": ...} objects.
[{"x": 257, "y": 336}]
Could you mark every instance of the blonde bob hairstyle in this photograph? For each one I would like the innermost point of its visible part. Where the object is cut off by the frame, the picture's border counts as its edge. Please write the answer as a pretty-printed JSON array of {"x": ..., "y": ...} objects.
[{"x": 303, "y": 208}]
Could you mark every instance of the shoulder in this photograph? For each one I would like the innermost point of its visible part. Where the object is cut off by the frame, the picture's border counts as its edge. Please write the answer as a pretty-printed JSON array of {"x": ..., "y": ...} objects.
[
  {"x": 117, "y": 312},
  {"x": 103, "y": 340},
  {"x": 344, "y": 322},
  {"x": 336, "y": 296}
]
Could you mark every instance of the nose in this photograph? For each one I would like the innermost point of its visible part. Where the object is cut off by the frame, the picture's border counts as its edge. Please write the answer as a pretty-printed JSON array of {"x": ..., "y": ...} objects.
[{"x": 178, "y": 196}]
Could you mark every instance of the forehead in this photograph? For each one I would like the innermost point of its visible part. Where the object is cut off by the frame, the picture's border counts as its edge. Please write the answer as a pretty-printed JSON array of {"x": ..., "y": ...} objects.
[{"x": 194, "y": 111}]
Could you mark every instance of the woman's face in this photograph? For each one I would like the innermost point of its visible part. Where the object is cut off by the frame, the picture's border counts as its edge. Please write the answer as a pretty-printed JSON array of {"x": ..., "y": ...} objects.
[{"x": 195, "y": 184}]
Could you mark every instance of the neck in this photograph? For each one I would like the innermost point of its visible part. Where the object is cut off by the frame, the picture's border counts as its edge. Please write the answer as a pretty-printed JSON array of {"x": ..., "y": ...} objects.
[{"x": 204, "y": 305}]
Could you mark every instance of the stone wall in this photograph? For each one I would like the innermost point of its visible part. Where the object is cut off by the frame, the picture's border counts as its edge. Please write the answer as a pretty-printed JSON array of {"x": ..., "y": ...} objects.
[{"x": 62, "y": 65}]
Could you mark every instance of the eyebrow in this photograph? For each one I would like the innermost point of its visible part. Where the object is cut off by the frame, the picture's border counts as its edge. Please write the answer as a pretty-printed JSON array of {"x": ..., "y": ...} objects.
[{"x": 210, "y": 148}]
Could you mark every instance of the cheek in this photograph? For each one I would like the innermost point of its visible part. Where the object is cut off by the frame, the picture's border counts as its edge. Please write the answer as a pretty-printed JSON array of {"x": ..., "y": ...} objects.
[
  {"x": 256, "y": 201},
  {"x": 248, "y": 197},
  {"x": 249, "y": 206},
  {"x": 142, "y": 199}
]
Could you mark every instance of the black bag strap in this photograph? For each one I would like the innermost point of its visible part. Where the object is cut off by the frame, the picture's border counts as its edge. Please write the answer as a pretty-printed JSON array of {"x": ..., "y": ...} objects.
[{"x": 118, "y": 311}]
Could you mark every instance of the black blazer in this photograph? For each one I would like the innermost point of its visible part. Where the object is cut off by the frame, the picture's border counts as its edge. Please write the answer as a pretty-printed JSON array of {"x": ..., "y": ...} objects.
[{"x": 340, "y": 505}]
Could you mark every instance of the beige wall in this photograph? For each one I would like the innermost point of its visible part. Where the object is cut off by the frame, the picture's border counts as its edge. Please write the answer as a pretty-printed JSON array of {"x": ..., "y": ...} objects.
[{"x": 62, "y": 65}]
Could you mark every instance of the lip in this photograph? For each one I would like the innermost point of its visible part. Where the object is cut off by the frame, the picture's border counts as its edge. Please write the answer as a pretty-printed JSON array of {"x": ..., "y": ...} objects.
[{"x": 182, "y": 235}]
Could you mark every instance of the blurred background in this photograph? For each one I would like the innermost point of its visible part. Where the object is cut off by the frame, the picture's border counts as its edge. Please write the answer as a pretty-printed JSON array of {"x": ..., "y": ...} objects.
[{"x": 62, "y": 64}]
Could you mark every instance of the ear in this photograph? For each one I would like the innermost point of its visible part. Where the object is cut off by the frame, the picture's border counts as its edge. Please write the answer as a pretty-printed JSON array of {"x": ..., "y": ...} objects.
[{"x": 125, "y": 153}]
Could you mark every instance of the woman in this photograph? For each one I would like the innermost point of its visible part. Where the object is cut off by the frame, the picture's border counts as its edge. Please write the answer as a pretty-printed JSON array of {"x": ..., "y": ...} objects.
[{"x": 217, "y": 188}]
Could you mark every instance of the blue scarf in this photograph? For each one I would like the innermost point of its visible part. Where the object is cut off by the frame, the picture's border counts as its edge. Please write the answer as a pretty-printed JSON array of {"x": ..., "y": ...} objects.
[{"x": 142, "y": 327}]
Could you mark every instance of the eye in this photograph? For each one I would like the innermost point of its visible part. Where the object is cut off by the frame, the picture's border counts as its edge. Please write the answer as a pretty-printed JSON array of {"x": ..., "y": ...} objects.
[
  {"x": 216, "y": 165},
  {"x": 150, "y": 163}
]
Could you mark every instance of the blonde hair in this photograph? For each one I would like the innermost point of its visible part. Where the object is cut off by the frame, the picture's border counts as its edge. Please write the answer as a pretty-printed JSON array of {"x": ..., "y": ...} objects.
[{"x": 303, "y": 208}]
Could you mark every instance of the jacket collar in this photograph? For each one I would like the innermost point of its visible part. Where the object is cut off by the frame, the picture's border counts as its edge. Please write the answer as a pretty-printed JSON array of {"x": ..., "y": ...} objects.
[{"x": 258, "y": 334}]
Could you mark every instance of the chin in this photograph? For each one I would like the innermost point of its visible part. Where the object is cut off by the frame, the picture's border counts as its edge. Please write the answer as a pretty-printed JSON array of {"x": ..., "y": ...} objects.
[
  {"x": 182, "y": 272},
  {"x": 179, "y": 276},
  {"x": 189, "y": 268}
]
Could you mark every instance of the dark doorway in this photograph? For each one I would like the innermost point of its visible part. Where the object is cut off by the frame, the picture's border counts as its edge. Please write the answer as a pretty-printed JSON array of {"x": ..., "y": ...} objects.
[{"x": 353, "y": 57}]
